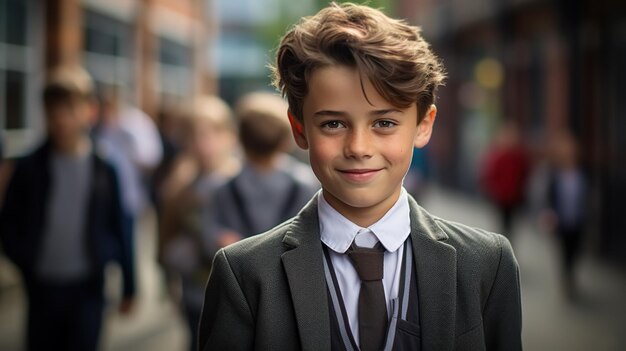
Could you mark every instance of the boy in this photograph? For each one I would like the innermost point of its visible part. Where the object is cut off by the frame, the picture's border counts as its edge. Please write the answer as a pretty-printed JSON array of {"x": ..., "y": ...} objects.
[
  {"x": 362, "y": 266},
  {"x": 61, "y": 222},
  {"x": 207, "y": 162},
  {"x": 268, "y": 190}
]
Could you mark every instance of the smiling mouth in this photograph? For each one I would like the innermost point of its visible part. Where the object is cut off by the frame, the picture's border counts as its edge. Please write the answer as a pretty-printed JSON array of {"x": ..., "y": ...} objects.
[{"x": 359, "y": 175}]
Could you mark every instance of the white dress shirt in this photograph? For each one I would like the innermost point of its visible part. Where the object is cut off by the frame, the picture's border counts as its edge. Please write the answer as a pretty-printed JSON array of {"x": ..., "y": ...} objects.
[{"x": 338, "y": 233}]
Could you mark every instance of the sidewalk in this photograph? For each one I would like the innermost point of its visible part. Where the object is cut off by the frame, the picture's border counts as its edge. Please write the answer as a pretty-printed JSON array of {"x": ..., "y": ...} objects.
[{"x": 595, "y": 322}]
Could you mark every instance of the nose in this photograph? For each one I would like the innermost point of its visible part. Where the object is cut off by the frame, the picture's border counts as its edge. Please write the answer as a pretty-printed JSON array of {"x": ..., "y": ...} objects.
[{"x": 358, "y": 144}]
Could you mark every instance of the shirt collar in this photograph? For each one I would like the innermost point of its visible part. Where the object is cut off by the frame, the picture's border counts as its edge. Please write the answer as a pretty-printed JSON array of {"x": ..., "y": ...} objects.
[{"x": 338, "y": 232}]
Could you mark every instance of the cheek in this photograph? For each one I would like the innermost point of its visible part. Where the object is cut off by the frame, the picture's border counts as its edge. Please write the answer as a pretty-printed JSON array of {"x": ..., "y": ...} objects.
[
  {"x": 224, "y": 143},
  {"x": 322, "y": 151},
  {"x": 404, "y": 149},
  {"x": 400, "y": 155}
]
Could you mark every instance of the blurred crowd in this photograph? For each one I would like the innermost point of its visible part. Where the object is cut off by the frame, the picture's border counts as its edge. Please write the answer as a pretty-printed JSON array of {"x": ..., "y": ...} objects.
[{"x": 213, "y": 175}]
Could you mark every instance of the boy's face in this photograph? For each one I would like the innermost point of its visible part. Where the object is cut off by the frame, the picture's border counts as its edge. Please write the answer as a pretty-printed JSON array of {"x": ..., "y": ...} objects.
[
  {"x": 360, "y": 152},
  {"x": 68, "y": 121}
]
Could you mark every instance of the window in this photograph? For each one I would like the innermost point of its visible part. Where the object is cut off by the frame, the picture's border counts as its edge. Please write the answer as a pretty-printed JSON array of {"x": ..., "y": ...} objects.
[
  {"x": 175, "y": 68},
  {"x": 15, "y": 96},
  {"x": 13, "y": 29},
  {"x": 14, "y": 22},
  {"x": 173, "y": 53},
  {"x": 108, "y": 49},
  {"x": 20, "y": 68}
]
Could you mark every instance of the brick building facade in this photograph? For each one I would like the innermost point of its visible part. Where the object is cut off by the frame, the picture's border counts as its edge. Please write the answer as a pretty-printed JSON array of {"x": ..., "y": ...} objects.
[{"x": 151, "y": 51}]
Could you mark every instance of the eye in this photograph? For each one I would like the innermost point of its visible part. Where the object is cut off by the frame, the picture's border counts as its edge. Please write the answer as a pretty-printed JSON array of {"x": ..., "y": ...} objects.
[
  {"x": 385, "y": 124},
  {"x": 332, "y": 125}
]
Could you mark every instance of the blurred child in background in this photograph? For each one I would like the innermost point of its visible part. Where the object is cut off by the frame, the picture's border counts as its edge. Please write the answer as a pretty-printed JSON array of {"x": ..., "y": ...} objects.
[
  {"x": 272, "y": 186},
  {"x": 207, "y": 162},
  {"x": 62, "y": 222},
  {"x": 131, "y": 140},
  {"x": 171, "y": 124},
  {"x": 567, "y": 199}
]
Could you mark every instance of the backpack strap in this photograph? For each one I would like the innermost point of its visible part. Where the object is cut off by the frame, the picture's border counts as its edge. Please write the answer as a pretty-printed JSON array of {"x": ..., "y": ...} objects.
[{"x": 245, "y": 216}]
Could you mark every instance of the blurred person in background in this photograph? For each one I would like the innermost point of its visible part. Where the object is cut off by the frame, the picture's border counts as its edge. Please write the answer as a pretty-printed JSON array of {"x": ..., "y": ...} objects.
[
  {"x": 272, "y": 185},
  {"x": 207, "y": 162},
  {"x": 171, "y": 125},
  {"x": 62, "y": 222},
  {"x": 131, "y": 140},
  {"x": 566, "y": 209},
  {"x": 504, "y": 174}
]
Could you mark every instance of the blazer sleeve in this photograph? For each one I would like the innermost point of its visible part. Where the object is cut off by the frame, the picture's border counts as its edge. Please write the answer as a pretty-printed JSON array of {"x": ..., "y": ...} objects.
[
  {"x": 226, "y": 322},
  {"x": 9, "y": 211},
  {"x": 122, "y": 225},
  {"x": 17, "y": 244},
  {"x": 502, "y": 315}
]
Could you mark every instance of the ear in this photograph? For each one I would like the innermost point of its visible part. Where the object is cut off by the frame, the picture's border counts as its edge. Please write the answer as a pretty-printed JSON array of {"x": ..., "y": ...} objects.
[
  {"x": 298, "y": 131},
  {"x": 425, "y": 128}
]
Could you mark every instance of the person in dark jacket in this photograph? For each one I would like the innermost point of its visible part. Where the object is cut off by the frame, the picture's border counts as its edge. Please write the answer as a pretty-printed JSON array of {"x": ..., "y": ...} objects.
[
  {"x": 62, "y": 222},
  {"x": 567, "y": 200}
]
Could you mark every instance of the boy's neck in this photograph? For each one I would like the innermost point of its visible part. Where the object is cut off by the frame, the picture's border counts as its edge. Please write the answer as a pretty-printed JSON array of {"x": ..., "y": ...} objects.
[
  {"x": 363, "y": 216},
  {"x": 78, "y": 147},
  {"x": 263, "y": 164}
]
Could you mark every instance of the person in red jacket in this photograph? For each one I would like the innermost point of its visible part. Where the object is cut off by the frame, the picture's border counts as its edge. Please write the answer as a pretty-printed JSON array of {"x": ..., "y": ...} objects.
[{"x": 504, "y": 174}]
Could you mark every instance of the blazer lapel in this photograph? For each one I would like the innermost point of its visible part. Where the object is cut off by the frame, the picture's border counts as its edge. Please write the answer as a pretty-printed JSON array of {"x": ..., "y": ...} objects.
[
  {"x": 435, "y": 264},
  {"x": 305, "y": 274}
]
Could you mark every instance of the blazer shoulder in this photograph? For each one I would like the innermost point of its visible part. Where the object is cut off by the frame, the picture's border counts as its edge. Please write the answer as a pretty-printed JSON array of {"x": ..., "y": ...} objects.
[
  {"x": 480, "y": 249},
  {"x": 484, "y": 258},
  {"x": 463, "y": 236},
  {"x": 28, "y": 170},
  {"x": 34, "y": 159},
  {"x": 258, "y": 250}
]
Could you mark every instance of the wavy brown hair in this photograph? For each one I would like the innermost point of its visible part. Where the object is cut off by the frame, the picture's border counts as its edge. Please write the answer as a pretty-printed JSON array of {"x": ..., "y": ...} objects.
[{"x": 390, "y": 53}]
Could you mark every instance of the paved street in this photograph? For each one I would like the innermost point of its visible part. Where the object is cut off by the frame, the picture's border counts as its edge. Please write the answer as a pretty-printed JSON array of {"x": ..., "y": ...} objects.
[{"x": 595, "y": 322}]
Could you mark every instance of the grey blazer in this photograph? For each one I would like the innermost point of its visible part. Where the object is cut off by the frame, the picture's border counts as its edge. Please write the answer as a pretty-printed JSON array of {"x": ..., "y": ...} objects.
[{"x": 268, "y": 292}]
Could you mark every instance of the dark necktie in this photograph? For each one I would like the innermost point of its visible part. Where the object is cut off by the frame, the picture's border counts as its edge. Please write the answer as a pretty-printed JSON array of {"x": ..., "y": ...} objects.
[{"x": 373, "y": 319}]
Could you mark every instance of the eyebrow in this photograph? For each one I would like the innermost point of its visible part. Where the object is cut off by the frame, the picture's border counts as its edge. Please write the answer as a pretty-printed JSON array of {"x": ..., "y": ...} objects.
[{"x": 334, "y": 113}]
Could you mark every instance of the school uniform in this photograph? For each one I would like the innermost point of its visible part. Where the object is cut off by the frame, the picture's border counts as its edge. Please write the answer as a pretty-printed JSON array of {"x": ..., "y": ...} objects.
[
  {"x": 451, "y": 287},
  {"x": 61, "y": 223}
]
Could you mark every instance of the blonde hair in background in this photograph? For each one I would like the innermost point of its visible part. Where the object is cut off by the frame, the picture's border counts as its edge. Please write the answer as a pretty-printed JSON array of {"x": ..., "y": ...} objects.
[
  {"x": 210, "y": 108},
  {"x": 68, "y": 82}
]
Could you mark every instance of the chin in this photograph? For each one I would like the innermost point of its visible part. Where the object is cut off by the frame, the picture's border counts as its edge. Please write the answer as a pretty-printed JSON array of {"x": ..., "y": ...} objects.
[{"x": 360, "y": 200}]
